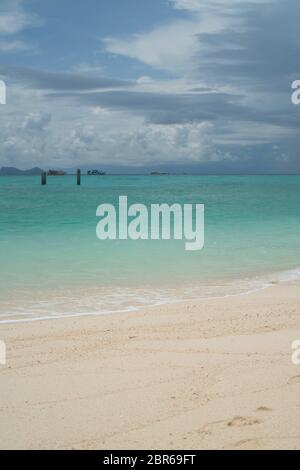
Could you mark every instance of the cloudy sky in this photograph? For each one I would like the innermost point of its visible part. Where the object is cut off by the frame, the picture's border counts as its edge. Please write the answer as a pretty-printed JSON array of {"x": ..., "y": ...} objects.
[{"x": 139, "y": 85}]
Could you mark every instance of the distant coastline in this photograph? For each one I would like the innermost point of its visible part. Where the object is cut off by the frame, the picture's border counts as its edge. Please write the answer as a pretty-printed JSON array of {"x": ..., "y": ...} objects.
[
  {"x": 36, "y": 171},
  {"x": 12, "y": 171}
]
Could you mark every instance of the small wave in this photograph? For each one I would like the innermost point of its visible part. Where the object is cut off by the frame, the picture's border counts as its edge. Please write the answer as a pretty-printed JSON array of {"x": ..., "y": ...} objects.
[{"x": 100, "y": 301}]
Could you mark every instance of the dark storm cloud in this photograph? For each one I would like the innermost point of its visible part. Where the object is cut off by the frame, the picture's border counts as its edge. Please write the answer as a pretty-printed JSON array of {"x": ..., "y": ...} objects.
[
  {"x": 44, "y": 80},
  {"x": 178, "y": 108},
  {"x": 263, "y": 54},
  {"x": 168, "y": 108}
]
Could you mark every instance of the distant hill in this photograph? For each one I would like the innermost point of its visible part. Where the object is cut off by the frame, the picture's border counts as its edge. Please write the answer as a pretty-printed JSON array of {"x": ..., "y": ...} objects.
[{"x": 11, "y": 171}]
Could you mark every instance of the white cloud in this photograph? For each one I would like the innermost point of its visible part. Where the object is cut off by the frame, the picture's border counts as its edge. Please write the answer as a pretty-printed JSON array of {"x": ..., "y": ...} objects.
[
  {"x": 99, "y": 135},
  {"x": 161, "y": 144},
  {"x": 88, "y": 69},
  {"x": 192, "y": 5},
  {"x": 147, "y": 144},
  {"x": 53, "y": 135},
  {"x": 24, "y": 143},
  {"x": 12, "y": 46},
  {"x": 165, "y": 47},
  {"x": 36, "y": 121},
  {"x": 13, "y": 22},
  {"x": 174, "y": 45},
  {"x": 198, "y": 5},
  {"x": 144, "y": 80},
  {"x": 14, "y": 19}
]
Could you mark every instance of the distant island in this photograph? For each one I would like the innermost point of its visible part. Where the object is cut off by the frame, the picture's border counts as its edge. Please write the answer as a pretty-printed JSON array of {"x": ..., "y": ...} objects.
[{"x": 12, "y": 171}]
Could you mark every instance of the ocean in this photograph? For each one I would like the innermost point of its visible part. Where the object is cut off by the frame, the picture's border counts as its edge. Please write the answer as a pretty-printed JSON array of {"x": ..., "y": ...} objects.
[{"x": 53, "y": 265}]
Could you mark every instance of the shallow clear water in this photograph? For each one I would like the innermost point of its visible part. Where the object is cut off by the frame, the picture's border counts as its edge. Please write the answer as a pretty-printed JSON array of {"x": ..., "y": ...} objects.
[{"x": 52, "y": 264}]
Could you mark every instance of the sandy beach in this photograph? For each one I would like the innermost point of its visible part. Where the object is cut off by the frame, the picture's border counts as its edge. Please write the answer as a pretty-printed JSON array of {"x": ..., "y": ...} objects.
[{"x": 213, "y": 374}]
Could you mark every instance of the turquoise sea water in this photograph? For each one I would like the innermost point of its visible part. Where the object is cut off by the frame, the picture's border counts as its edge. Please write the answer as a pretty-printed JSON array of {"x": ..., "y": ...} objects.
[{"x": 52, "y": 263}]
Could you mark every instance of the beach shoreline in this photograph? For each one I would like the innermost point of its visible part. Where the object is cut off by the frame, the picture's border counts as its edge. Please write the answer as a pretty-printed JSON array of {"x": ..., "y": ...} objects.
[
  {"x": 205, "y": 374},
  {"x": 66, "y": 303}
]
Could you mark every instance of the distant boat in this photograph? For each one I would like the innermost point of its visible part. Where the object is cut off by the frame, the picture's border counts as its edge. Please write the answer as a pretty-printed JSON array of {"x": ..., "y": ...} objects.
[
  {"x": 56, "y": 173},
  {"x": 96, "y": 173}
]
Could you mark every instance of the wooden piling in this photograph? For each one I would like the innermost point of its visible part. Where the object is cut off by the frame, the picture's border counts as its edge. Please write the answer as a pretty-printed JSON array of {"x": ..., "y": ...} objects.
[
  {"x": 43, "y": 178},
  {"x": 78, "y": 177}
]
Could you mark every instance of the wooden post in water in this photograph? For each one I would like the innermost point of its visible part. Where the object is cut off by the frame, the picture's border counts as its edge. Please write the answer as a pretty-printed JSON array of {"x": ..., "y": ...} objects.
[
  {"x": 43, "y": 178},
  {"x": 78, "y": 177}
]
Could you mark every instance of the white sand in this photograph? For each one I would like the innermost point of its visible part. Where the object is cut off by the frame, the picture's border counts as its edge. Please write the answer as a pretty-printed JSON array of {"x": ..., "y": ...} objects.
[{"x": 213, "y": 374}]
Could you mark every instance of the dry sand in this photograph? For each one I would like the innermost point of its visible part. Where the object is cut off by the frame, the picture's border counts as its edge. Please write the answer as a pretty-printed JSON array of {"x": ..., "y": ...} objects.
[{"x": 211, "y": 374}]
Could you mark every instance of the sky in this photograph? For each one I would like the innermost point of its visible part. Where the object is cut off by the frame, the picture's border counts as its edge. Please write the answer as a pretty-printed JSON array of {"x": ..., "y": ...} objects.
[{"x": 195, "y": 86}]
